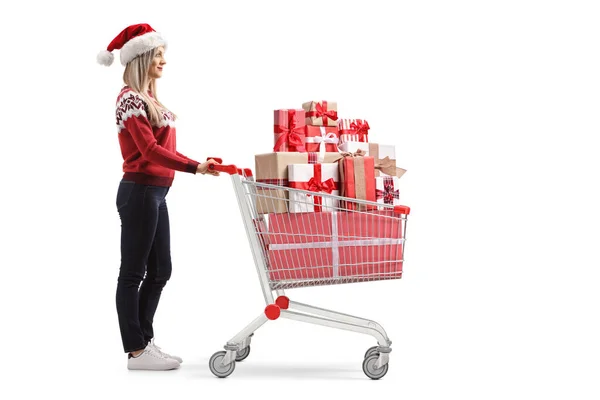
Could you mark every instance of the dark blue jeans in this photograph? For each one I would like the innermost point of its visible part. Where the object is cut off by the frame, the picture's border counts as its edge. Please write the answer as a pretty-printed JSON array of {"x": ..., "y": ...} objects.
[{"x": 145, "y": 259}]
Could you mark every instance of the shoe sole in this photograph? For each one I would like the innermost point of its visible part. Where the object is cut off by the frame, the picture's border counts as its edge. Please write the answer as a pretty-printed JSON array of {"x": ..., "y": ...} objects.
[{"x": 152, "y": 368}]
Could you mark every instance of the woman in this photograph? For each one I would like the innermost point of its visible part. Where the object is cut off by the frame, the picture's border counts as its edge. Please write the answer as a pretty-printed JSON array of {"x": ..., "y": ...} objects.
[{"x": 146, "y": 134}]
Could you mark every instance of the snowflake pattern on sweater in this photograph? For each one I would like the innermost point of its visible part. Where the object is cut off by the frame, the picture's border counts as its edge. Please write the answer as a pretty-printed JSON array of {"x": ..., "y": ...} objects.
[
  {"x": 132, "y": 104},
  {"x": 149, "y": 152}
]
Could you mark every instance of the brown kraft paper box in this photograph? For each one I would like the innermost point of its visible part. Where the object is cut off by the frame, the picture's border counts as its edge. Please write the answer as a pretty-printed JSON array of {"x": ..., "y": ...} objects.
[
  {"x": 272, "y": 168},
  {"x": 321, "y": 113}
]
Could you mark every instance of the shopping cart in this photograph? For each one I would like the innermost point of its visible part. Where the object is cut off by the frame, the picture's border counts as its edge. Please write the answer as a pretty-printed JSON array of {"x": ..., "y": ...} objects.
[{"x": 320, "y": 239}]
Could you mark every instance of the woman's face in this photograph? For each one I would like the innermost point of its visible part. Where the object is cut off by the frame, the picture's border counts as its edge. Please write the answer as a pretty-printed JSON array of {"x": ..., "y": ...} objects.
[{"x": 156, "y": 68}]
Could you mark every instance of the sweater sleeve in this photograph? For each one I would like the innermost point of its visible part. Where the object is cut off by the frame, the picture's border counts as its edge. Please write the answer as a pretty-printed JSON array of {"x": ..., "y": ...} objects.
[
  {"x": 138, "y": 125},
  {"x": 182, "y": 156}
]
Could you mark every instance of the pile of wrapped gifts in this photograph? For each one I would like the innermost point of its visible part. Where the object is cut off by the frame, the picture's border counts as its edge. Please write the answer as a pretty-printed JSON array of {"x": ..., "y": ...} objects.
[{"x": 316, "y": 151}]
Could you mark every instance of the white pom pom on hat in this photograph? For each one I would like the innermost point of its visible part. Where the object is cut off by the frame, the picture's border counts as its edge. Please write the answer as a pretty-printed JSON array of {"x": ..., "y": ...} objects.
[
  {"x": 105, "y": 57},
  {"x": 132, "y": 42}
]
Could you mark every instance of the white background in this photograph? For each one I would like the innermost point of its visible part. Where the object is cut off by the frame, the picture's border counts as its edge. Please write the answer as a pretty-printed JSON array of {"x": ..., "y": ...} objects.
[{"x": 492, "y": 106}]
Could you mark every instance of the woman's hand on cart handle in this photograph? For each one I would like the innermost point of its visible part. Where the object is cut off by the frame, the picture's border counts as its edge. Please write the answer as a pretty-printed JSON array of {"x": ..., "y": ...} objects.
[
  {"x": 230, "y": 169},
  {"x": 204, "y": 168},
  {"x": 216, "y": 167}
]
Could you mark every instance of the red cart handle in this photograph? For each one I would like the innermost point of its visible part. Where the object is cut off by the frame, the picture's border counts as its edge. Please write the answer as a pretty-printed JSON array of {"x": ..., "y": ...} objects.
[{"x": 229, "y": 169}]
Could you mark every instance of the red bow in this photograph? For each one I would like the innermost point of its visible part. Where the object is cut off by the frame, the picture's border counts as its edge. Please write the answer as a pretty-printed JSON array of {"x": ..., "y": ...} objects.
[
  {"x": 290, "y": 135},
  {"x": 321, "y": 111},
  {"x": 314, "y": 185},
  {"x": 361, "y": 128},
  {"x": 388, "y": 194}
]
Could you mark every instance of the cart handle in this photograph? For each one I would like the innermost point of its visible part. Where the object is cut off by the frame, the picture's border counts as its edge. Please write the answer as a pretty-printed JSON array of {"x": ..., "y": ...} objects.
[
  {"x": 229, "y": 169},
  {"x": 402, "y": 210}
]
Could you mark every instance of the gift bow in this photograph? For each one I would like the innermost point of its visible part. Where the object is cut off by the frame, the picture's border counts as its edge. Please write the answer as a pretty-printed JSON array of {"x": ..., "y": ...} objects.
[
  {"x": 361, "y": 129},
  {"x": 386, "y": 165},
  {"x": 388, "y": 194},
  {"x": 322, "y": 111},
  {"x": 315, "y": 185},
  {"x": 326, "y": 137},
  {"x": 358, "y": 153},
  {"x": 290, "y": 135}
]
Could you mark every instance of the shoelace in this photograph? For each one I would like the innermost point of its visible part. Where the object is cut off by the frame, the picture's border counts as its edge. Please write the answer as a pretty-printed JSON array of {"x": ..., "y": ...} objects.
[{"x": 158, "y": 350}]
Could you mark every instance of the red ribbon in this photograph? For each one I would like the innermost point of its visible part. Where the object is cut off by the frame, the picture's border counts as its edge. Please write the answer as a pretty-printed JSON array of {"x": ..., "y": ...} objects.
[
  {"x": 290, "y": 135},
  {"x": 388, "y": 194},
  {"x": 361, "y": 128},
  {"x": 315, "y": 184},
  {"x": 321, "y": 111}
]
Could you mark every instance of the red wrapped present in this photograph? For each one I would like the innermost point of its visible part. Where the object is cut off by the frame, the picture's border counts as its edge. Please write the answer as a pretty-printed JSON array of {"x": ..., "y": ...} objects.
[
  {"x": 290, "y": 254},
  {"x": 353, "y": 130},
  {"x": 300, "y": 264},
  {"x": 307, "y": 246},
  {"x": 321, "y": 113},
  {"x": 289, "y": 130},
  {"x": 321, "y": 139},
  {"x": 376, "y": 249},
  {"x": 357, "y": 179}
]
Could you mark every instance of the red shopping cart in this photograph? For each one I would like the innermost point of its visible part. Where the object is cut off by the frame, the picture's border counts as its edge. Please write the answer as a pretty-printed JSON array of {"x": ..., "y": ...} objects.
[{"x": 320, "y": 239}]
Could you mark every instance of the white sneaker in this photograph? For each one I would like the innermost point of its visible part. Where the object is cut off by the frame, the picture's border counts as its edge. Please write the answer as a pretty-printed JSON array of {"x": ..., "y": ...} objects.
[
  {"x": 158, "y": 349},
  {"x": 152, "y": 360}
]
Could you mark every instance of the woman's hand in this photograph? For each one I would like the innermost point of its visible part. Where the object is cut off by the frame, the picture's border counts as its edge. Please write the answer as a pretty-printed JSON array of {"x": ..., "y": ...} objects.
[{"x": 203, "y": 168}]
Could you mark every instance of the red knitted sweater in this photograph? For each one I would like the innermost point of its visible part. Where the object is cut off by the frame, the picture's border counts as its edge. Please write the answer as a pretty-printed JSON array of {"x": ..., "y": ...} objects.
[{"x": 149, "y": 152}]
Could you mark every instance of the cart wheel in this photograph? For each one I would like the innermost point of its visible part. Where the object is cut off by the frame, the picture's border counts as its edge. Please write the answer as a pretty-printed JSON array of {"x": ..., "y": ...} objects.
[
  {"x": 370, "y": 370},
  {"x": 216, "y": 368},
  {"x": 242, "y": 354},
  {"x": 372, "y": 350}
]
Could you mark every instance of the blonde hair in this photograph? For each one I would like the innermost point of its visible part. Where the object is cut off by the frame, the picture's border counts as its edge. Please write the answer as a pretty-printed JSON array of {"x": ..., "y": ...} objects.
[{"x": 136, "y": 77}]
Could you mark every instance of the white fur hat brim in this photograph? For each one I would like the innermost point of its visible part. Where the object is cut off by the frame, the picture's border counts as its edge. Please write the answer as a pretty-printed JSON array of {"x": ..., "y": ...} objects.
[{"x": 140, "y": 45}]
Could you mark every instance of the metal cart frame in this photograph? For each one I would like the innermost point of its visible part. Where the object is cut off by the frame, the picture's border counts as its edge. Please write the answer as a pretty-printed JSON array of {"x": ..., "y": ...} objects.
[{"x": 222, "y": 363}]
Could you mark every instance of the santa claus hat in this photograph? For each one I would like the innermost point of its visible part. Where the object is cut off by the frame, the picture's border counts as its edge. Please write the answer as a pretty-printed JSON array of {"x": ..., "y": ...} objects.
[{"x": 132, "y": 41}]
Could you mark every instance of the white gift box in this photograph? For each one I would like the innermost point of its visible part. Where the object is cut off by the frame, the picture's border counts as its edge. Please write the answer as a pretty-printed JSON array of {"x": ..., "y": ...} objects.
[
  {"x": 383, "y": 154},
  {"x": 353, "y": 147},
  {"x": 306, "y": 177},
  {"x": 383, "y": 150}
]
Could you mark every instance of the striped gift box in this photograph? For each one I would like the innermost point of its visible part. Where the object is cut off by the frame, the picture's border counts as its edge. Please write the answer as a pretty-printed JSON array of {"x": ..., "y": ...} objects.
[{"x": 353, "y": 130}]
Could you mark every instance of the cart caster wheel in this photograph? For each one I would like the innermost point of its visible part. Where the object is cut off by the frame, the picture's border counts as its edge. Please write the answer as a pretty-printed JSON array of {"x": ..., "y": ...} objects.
[
  {"x": 370, "y": 370},
  {"x": 216, "y": 368},
  {"x": 372, "y": 350},
  {"x": 242, "y": 354}
]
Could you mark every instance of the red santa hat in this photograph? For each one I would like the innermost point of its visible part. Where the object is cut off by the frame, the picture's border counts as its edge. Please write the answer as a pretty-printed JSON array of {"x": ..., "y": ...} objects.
[{"x": 132, "y": 41}]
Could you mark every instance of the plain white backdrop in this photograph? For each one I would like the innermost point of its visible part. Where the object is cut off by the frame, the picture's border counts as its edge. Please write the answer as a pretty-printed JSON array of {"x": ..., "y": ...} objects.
[{"x": 493, "y": 108}]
